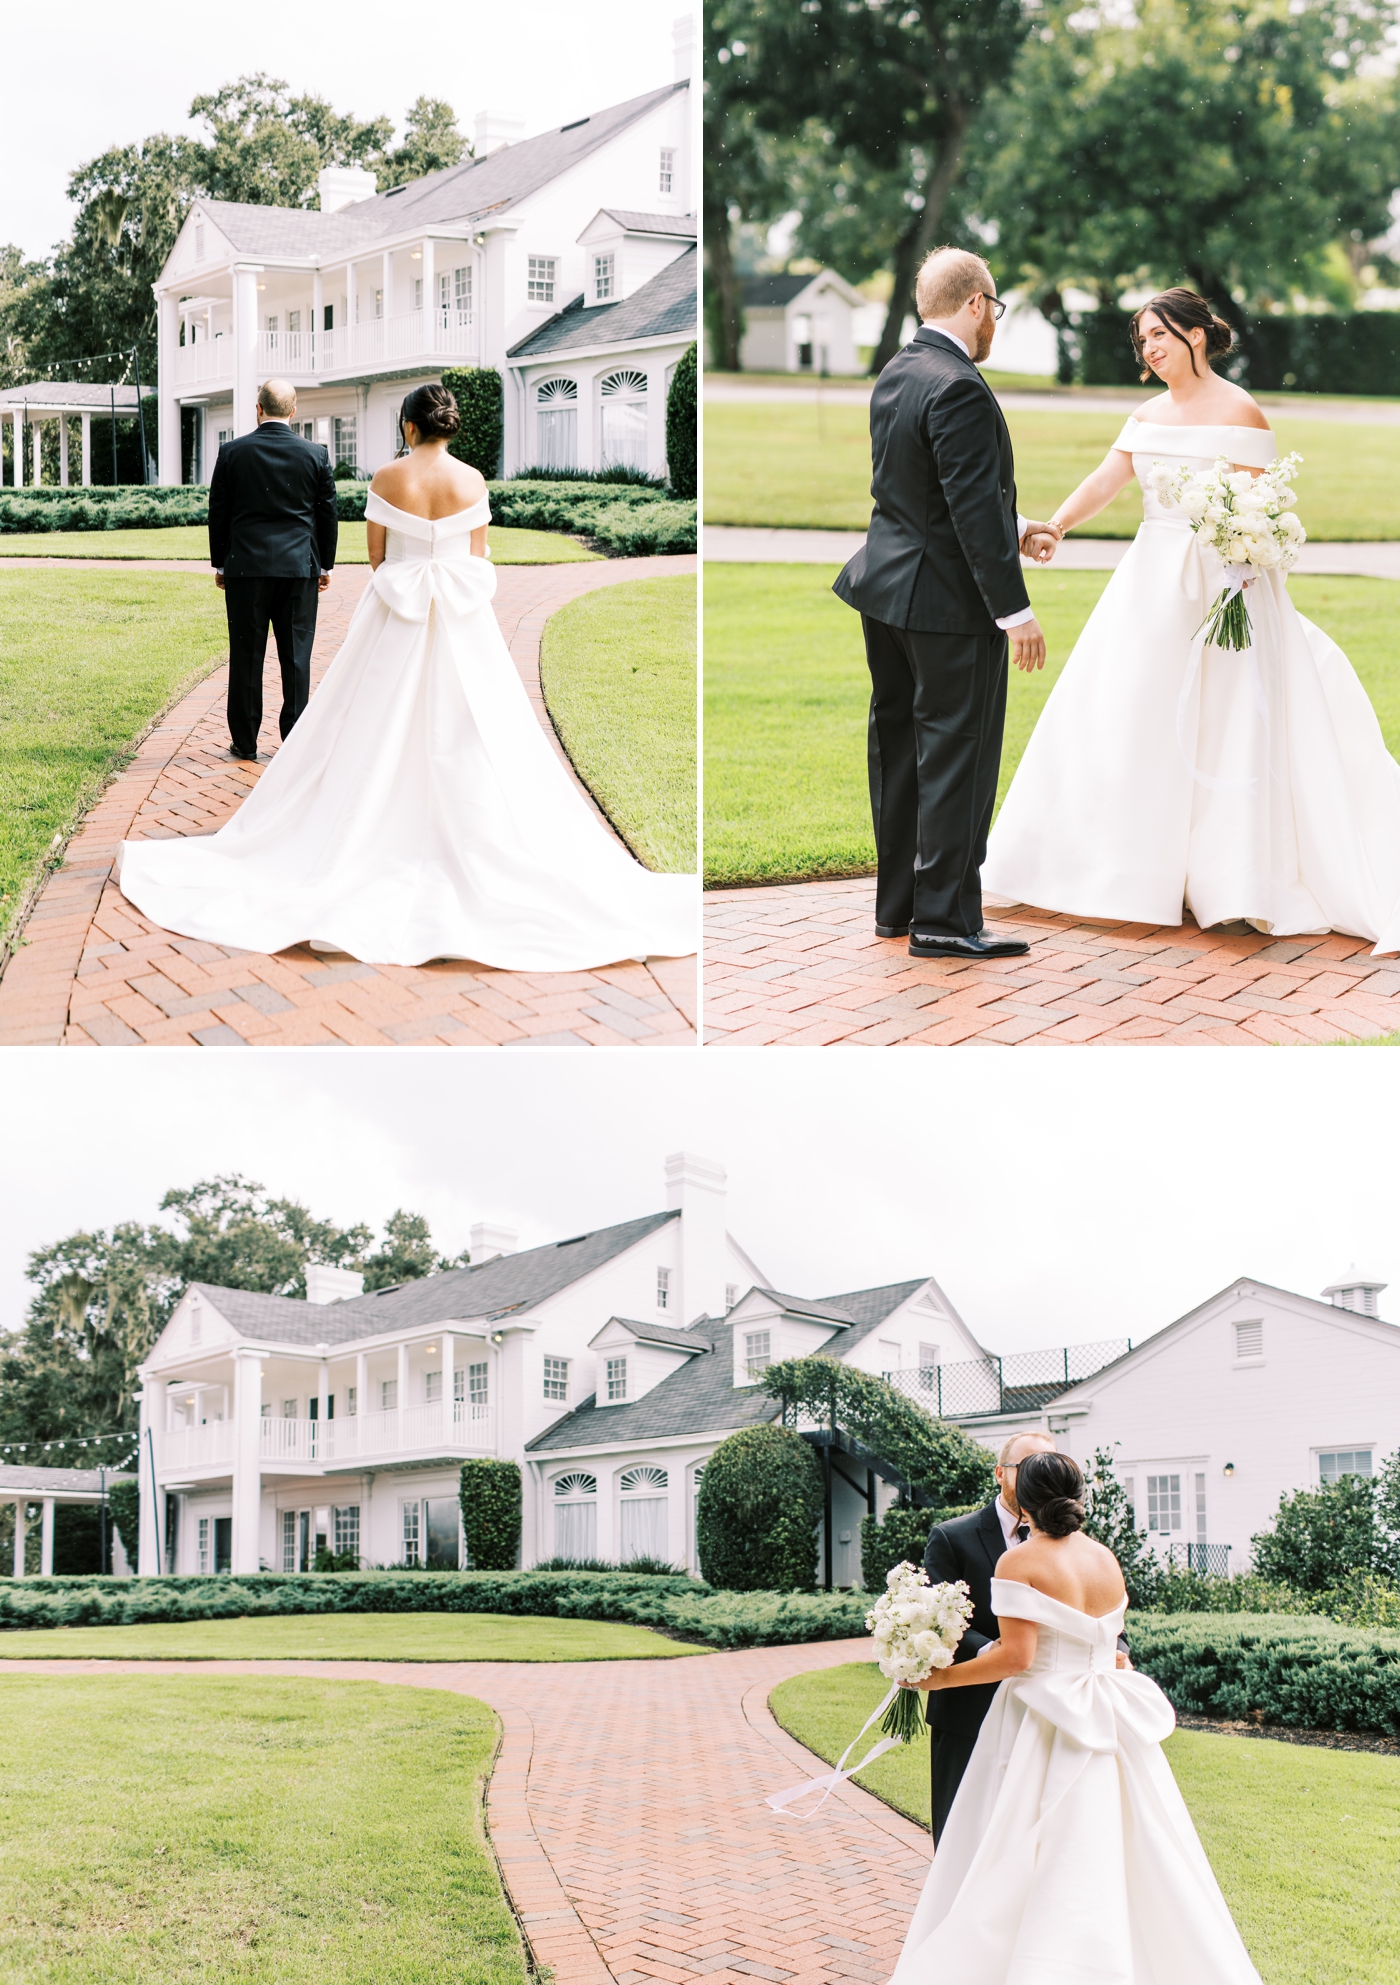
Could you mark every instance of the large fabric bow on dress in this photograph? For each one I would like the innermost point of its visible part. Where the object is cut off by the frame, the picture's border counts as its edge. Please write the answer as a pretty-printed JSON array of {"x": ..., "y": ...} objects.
[{"x": 408, "y": 586}]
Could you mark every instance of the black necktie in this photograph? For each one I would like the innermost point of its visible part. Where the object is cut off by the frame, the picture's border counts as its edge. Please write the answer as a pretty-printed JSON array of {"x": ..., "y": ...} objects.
[{"x": 1023, "y": 1531}]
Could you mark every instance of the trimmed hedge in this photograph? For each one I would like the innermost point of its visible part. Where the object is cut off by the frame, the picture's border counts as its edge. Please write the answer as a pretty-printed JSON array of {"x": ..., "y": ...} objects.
[
  {"x": 480, "y": 399},
  {"x": 902, "y": 1537},
  {"x": 490, "y": 1496},
  {"x": 630, "y": 521},
  {"x": 675, "y": 1604},
  {"x": 760, "y": 1501},
  {"x": 681, "y": 426},
  {"x": 1355, "y": 352},
  {"x": 1290, "y": 1669}
]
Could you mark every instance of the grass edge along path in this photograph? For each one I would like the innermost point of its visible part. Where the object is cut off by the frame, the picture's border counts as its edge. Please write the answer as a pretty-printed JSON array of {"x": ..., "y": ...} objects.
[
  {"x": 431, "y": 1636},
  {"x": 786, "y": 696},
  {"x": 508, "y": 544},
  {"x": 1303, "y": 1840},
  {"x": 90, "y": 662},
  {"x": 206, "y": 1830},
  {"x": 618, "y": 671}
]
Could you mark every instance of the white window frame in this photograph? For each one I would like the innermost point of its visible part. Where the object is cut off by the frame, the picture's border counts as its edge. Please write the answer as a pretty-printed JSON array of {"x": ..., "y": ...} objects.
[
  {"x": 604, "y": 278},
  {"x": 345, "y": 433},
  {"x": 666, "y": 176},
  {"x": 616, "y": 1378},
  {"x": 1164, "y": 1498},
  {"x": 345, "y": 1528},
  {"x": 432, "y": 1388},
  {"x": 663, "y": 1288},
  {"x": 204, "y": 1535},
  {"x": 388, "y": 1395},
  {"x": 556, "y": 1379},
  {"x": 479, "y": 1384},
  {"x": 1326, "y": 1476},
  {"x": 541, "y": 279},
  {"x": 412, "y": 1527},
  {"x": 758, "y": 1351}
]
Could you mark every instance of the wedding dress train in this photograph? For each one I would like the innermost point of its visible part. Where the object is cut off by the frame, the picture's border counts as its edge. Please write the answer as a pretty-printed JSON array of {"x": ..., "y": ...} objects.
[
  {"x": 1069, "y": 1857},
  {"x": 1163, "y": 775},
  {"x": 417, "y": 810}
]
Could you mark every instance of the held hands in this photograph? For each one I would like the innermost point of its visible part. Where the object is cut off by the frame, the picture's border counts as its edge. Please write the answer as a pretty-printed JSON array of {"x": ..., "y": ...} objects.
[{"x": 1038, "y": 541}]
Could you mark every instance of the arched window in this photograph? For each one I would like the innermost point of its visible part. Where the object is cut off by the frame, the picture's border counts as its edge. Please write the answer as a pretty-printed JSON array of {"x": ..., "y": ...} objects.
[
  {"x": 624, "y": 423},
  {"x": 556, "y": 423},
  {"x": 576, "y": 1516},
  {"x": 642, "y": 1531}
]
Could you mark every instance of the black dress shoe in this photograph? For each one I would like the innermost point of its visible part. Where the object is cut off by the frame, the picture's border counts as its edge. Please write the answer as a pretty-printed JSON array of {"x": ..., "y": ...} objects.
[
  {"x": 981, "y": 944},
  {"x": 250, "y": 757},
  {"x": 891, "y": 930}
]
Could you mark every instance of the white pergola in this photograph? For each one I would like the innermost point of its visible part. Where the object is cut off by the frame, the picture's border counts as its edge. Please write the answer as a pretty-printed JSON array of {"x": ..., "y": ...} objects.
[
  {"x": 58, "y": 400},
  {"x": 48, "y": 1487}
]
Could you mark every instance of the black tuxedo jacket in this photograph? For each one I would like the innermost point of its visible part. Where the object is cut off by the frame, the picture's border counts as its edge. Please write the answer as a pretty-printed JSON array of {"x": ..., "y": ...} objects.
[
  {"x": 272, "y": 506},
  {"x": 969, "y": 1548},
  {"x": 941, "y": 554}
]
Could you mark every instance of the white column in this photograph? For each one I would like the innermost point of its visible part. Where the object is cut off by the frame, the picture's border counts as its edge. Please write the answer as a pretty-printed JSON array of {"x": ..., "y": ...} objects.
[
  {"x": 432, "y": 338},
  {"x": 18, "y": 1566},
  {"x": 448, "y": 1415},
  {"x": 318, "y": 311},
  {"x": 352, "y": 318},
  {"x": 247, "y": 1460},
  {"x": 87, "y": 450},
  {"x": 63, "y": 450},
  {"x": 37, "y": 459},
  {"x": 148, "y": 1564},
  {"x": 167, "y": 404},
  {"x": 607, "y": 1514},
  {"x": 46, "y": 1541},
  {"x": 245, "y": 350},
  {"x": 363, "y": 1402},
  {"x": 19, "y": 449},
  {"x": 387, "y": 279},
  {"x": 403, "y": 1392},
  {"x": 323, "y": 1406}
]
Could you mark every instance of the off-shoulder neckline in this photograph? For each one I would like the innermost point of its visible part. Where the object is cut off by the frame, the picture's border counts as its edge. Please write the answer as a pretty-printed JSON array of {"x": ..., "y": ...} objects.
[
  {"x": 1200, "y": 426},
  {"x": 414, "y": 517},
  {"x": 1095, "y": 1619}
]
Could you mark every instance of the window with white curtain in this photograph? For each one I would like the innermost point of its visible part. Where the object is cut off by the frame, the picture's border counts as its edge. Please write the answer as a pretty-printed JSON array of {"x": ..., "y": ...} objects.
[
  {"x": 556, "y": 421},
  {"x": 1343, "y": 1461},
  {"x": 624, "y": 420},
  {"x": 642, "y": 1529},
  {"x": 576, "y": 1516},
  {"x": 412, "y": 1532}
]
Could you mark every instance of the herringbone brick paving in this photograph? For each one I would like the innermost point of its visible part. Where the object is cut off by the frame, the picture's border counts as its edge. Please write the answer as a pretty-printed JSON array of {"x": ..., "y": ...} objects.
[
  {"x": 91, "y": 970},
  {"x": 801, "y": 966},
  {"x": 626, "y": 1811}
]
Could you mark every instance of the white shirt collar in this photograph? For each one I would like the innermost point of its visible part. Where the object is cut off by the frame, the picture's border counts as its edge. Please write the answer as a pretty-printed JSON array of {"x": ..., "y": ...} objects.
[
  {"x": 951, "y": 336},
  {"x": 1008, "y": 1523},
  {"x": 285, "y": 420}
]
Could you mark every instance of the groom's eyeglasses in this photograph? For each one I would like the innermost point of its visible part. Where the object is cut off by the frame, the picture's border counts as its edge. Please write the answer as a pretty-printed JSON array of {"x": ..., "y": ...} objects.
[{"x": 996, "y": 306}]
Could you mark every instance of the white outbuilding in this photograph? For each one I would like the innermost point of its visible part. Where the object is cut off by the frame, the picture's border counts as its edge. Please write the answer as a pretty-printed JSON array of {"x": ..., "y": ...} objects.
[{"x": 800, "y": 323}]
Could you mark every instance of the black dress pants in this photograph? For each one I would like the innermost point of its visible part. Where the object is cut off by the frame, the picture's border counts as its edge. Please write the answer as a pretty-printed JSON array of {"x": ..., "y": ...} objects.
[
  {"x": 289, "y": 607},
  {"x": 937, "y": 712},
  {"x": 950, "y": 1751}
]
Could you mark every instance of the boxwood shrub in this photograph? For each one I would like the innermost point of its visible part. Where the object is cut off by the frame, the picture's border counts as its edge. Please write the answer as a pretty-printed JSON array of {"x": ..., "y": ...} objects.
[
  {"x": 491, "y": 1500},
  {"x": 901, "y": 1537},
  {"x": 756, "y": 1514},
  {"x": 1292, "y": 1669}
]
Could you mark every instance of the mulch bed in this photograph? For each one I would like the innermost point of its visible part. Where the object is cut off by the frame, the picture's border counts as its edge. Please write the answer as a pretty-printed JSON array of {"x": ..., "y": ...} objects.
[{"x": 1330, "y": 1740}]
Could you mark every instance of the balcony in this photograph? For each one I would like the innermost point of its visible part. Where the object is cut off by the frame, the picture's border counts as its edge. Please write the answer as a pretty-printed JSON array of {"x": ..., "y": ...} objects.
[
  {"x": 1025, "y": 1382},
  {"x": 366, "y": 1438},
  {"x": 383, "y": 344}
]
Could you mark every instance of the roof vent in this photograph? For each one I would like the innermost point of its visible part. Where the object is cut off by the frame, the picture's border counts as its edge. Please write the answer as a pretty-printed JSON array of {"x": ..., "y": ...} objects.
[
  {"x": 577, "y": 125},
  {"x": 339, "y": 185},
  {"x": 493, "y": 129},
  {"x": 1354, "y": 1291}
]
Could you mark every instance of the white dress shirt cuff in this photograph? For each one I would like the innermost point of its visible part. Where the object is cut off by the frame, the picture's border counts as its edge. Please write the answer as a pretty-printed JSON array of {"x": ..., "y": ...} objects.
[{"x": 1016, "y": 619}]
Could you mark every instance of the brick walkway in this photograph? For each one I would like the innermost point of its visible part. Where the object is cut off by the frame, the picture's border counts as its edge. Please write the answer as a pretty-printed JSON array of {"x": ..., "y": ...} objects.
[
  {"x": 626, "y": 1810},
  {"x": 801, "y": 966},
  {"x": 92, "y": 971}
]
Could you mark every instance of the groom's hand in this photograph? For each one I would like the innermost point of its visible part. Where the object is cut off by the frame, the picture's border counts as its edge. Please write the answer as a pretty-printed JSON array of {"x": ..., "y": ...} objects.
[
  {"x": 1028, "y": 646},
  {"x": 1038, "y": 541}
]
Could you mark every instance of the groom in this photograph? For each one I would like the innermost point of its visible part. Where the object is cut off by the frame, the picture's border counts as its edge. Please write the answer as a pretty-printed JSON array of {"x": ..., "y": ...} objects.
[
  {"x": 969, "y": 1548},
  {"x": 939, "y": 590},
  {"x": 272, "y": 534}
]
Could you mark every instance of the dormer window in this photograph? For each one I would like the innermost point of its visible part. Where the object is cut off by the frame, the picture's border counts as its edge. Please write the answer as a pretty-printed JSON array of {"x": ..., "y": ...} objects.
[
  {"x": 603, "y": 277},
  {"x": 617, "y": 1379},
  {"x": 667, "y": 175},
  {"x": 758, "y": 1351},
  {"x": 663, "y": 1288}
]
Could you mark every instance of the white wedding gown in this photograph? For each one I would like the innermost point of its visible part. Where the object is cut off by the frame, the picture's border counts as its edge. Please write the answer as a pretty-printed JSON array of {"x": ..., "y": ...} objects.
[
  {"x": 1069, "y": 1857},
  {"x": 1164, "y": 776},
  {"x": 417, "y": 810}
]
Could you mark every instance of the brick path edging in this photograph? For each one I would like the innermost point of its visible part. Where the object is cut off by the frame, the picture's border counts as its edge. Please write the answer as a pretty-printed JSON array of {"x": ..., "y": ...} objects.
[{"x": 626, "y": 1814}]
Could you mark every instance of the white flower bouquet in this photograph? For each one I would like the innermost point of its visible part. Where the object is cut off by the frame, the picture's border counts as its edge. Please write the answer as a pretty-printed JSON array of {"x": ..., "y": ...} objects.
[
  {"x": 916, "y": 1628},
  {"x": 1249, "y": 520}
]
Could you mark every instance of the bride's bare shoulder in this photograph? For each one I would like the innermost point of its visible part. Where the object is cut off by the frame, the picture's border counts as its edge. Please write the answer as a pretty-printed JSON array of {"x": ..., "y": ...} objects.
[
  {"x": 1151, "y": 408},
  {"x": 1244, "y": 410}
]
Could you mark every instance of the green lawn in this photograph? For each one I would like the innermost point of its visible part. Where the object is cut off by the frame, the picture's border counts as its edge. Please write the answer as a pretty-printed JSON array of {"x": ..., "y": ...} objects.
[
  {"x": 350, "y": 1637},
  {"x": 1303, "y": 1841},
  {"x": 809, "y": 466},
  {"x": 87, "y": 659},
  {"x": 247, "y": 1831},
  {"x": 619, "y": 671},
  {"x": 786, "y": 694},
  {"x": 191, "y": 541}
]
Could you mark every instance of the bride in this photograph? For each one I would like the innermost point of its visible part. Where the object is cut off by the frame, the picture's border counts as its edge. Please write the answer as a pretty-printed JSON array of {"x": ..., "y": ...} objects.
[
  {"x": 1256, "y": 786},
  {"x": 1068, "y": 1854},
  {"x": 417, "y": 810}
]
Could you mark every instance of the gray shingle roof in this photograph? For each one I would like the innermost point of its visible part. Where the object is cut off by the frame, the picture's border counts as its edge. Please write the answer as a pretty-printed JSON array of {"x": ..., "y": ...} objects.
[
  {"x": 701, "y": 1397},
  {"x": 458, "y": 193},
  {"x": 663, "y": 306},
  {"x": 55, "y": 1481},
  {"x": 71, "y": 393},
  {"x": 664, "y": 1333},
  {"x": 771, "y": 292},
  {"x": 680, "y": 224},
  {"x": 511, "y": 1281}
]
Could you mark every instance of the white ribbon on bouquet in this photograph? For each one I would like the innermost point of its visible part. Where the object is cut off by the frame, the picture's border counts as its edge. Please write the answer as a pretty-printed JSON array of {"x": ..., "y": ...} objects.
[
  {"x": 1239, "y": 584},
  {"x": 829, "y": 1780}
]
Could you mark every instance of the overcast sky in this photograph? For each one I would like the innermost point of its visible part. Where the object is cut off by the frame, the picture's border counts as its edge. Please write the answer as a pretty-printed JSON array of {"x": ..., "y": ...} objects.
[
  {"x": 90, "y": 75},
  {"x": 1057, "y": 1197}
]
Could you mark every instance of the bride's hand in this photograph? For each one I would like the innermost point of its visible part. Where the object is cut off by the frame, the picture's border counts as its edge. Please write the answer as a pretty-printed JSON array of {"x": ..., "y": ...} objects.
[{"x": 1038, "y": 541}]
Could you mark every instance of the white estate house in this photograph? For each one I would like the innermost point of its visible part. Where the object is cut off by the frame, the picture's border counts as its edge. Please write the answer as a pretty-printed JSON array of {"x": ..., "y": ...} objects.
[
  {"x": 611, "y": 1364},
  {"x": 372, "y": 294}
]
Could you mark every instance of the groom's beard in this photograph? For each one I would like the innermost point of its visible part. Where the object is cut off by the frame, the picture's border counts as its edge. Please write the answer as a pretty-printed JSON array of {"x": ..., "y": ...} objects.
[{"x": 986, "y": 331}]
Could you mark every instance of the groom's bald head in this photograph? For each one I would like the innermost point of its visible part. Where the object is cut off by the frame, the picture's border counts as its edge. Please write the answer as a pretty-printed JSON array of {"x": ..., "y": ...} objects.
[
  {"x": 948, "y": 277},
  {"x": 278, "y": 397}
]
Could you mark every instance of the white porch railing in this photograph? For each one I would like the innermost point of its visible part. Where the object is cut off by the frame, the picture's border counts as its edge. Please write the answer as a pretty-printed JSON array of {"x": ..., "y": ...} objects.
[
  {"x": 207, "y": 359},
  {"x": 382, "y": 342},
  {"x": 424, "y": 1430}
]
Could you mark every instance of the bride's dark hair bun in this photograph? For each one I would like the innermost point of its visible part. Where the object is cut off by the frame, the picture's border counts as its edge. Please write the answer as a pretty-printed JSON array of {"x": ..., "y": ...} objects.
[
  {"x": 1182, "y": 311},
  {"x": 1050, "y": 1489},
  {"x": 433, "y": 412}
]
